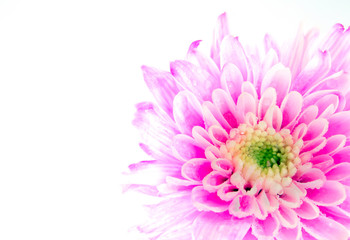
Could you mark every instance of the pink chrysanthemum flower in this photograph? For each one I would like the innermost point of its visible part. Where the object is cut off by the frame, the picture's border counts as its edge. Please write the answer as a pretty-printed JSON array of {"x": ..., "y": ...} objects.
[{"x": 248, "y": 145}]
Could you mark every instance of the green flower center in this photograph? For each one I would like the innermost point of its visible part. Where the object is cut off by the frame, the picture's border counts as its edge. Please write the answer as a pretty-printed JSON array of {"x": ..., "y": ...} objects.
[{"x": 266, "y": 154}]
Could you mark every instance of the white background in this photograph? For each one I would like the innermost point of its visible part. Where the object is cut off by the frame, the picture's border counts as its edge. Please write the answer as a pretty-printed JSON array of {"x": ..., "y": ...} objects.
[{"x": 69, "y": 79}]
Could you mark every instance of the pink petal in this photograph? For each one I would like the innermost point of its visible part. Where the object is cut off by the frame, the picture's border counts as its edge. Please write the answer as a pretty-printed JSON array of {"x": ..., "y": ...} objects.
[
  {"x": 317, "y": 128},
  {"x": 203, "y": 60},
  {"x": 291, "y": 108},
  {"x": 245, "y": 103},
  {"x": 218, "y": 135},
  {"x": 233, "y": 52},
  {"x": 330, "y": 194},
  {"x": 185, "y": 148},
  {"x": 287, "y": 217},
  {"x": 212, "y": 153},
  {"x": 231, "y": 80},
  {"x": 339, "y": 172},
  {"x": 291, "y": 196},
  {"x": 278, "y": 77},
  {"x": 163, "y": 87},
  {"x": 212, "y": 116},
  {"x": 325, "y": 103},
  {"x": 325, "y": 228},
  {"x": 214, "y": 180},
  {"x": 196, "y": 169},
  {"x": 228, "y": 192},
  {"x": 187, "y": 112},
  {"x": 313, "y": 98},
  {"x": 226, "y": 106},
  {"x": 314, "y": 145},
  {"x": 222, "y": 165},
  {"x": 312, "y": 178},
  {"x": 265, "y": 229},
  {"x": 248, "y": 87},
  {"x": 268, "y": 99},
  {"x": 308, "y": 115},
  {"x": 333, "y": 144},
  {"x": 270, "y": 59},
  {"x": 221, "y": 30},
  {"x": 243, "y": 206},
  {"x": 342, "y": 156},
  {"x": 307, "y": 210},
  {"x": 322, "y": 161},
  {"x": 273, "y": 118},
  {"x": 339, "y": 124},
  {"x": 205, "y": 201},
  {"x": 249, "y": 236},
  {"x": 157, "y": 130},
  {"x": 221, "y": 226},
  {"x": 193, "y": 78},
  {"x": 288, "y": 234},
  {"x": 299, "y": 132},
  {"x": 264, "y": 203},
  {"x": 201, "y": 136}
]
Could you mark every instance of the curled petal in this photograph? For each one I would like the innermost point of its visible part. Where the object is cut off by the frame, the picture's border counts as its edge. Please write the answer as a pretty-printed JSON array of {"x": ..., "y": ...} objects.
[
  {"x": 205, "y": 201},
  {"x": 291, "y": 196},
  {"x": 322, "y": 162},
  {"x": 185, "y": 148},
  {"x": 299, "y": 132},
  {"x": 312, "y": 178},
  {"x": 316, "y": 128},
  {"x": 287, "y": 217},
  {"x": 214, "y": 180},
  {"x": 201, "y": 136},
  {"x": 218, "y": 135},
  {"x": 222, "y": 165},
  {"x": 212, "y": 116},
  {"x": 265, "y": 229},
  {"x": 307, "y": 210},
  {"x": 196, "y": 169},
  {"x": 228, "y": 192},
  {"x": 325, "y": 228},
  {"x": 330, "y": 194}
]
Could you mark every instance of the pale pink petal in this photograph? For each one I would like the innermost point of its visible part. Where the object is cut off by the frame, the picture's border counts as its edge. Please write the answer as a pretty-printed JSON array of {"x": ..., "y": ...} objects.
[
  {"x": 339, "y": 172},
  {"x": 233, "y": 52},
  {"x": 339, "y": 124},
  {"x": 212, "y": 153},
  {"x": 231, "y": 80},
  {"x": 327, "y": 105},
  {"x": 333, "y": 144},
  {"x": 196, "y": 169},
  {"x": 221, "y": 30},
  {"x": 342, "y": 156},
  {"x": 205, "y": 201},
  {"x": 185, "y": 148},
  {"x": 312, "y": 178},
  {"x": 316, "y": 128},
  {"x": 157, "y": 130},
  {"x": 322, "y": 162},
  {"x": 273, "y": 118},
  {"x": 228, "y": 192},
  {"x": 299, "y": 132},
  {"x": 264, "y": 203},
  {"x": 287, "y": 217},
  {"x": 215, "y": 180},
  {"x": 265, "y": 229},
  {"x": 307, "y": 210},
  {"x": 308, "y": 115},
  {"x": 187, "y": 113},
  {"x": 163, "y": 87},
  {"x": 316, "y": 69},
  {"x": 330, "y": 194},
  {"x": 278, "y": 77},
  {"x": 268, "y": 99},
  {"x": 203, "y": 60},
  {"x": 193, "y": 78},
  {"x": 201, "y": 136},
  {"x": 226, "y": 106},
  {"x": 270, "y": 59},
  {"x": 313, "y": 98},
  {"x": 222, "y": 165},
  {"x": 248, "y": 87},
  {"x": 289, "y": 234},
  {"x": 208, "y": 226},
  {"x": 243, "y": 206},
  {"x": 245, "y": 103},
  {"x": 212, "y": 116},
  {"x": 325, "y": 228},
  {"x": 306, "y": 236},
  {"x": 218, "y": 135},
  {"x": 291, "y": 108},
  {"x": 291, "y": 196}
]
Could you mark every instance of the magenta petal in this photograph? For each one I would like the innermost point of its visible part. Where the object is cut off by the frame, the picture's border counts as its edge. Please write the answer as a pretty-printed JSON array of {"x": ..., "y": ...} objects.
[
  {"x": 316, "y": 128},
  {"x": 233, "y": 52},
  {"x": 195, "y": 79},
  {"x": 185, "y": 148},
  {"x": 339, "y": 124},
  {"x": 325, "y": 228},
  {"x": 265, "y": 229},
  {"x": 308, "y": 115},
  {"x": 291, "y": 108},
  {"x": 287, "y": 217},
  {"x": 333, "y": 144},
  {"x": 339, "y": 172},
  {"x": 322, "y": 162},
  {"x": 228, "y": 192},
  {"x": 307, "y": 210},
  {"x": 163, "y": 87},
  {"x": 243, "y": 206},
  {"x": 314, "y": 145},
  {"x": 218, "y": 135},
  {"x": 342, "y": 156},
  {"x": 231, "y": 80},
  {"x": 312, "y": 178},
  {"x": 215, "y": 180},
  {"x": 221, "y": 30},
  {"x": 196, "y": 169},
  {"x": 187, "y": 112},
  {"x": 278, "y": 77},
  {"x": 205, "y": 201},
  {"x": 330, "y": 194},
  {"x": 210, "y": 226},
  {"x": 201, "y": 136},
  {"x": 288, "y": 234}
]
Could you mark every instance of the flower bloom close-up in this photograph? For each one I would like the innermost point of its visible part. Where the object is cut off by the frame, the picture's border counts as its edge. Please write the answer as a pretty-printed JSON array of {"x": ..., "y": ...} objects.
[{"x": 249, "y": 143}]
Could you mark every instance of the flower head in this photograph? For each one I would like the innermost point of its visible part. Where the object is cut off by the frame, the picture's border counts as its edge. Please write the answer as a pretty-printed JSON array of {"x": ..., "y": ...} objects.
[{"x": 248, "y": 145}]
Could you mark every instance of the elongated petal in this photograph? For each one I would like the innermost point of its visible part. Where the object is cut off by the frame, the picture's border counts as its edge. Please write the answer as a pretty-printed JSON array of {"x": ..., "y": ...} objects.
[
  {"x": 185, "y": 148},
  {"x": 205, "y": 201},
  {"x": 317, "y": 128},
  {"x": 220, "y": 226},
  {"x": 339, "y": 124},
  {"x": 287, "y": 217},
  {"x": 221, "y": 30},
  {"x": 231, "y": 80},
  {"x": 196, "y": 169},
  {"x": 339, "y": 172},
  {"x": 225, "y": 106},
  {"x": 268, "y": 99},
  {"x": 265, "y": 229},
  {"x": 291, "y": 108},
  {"x": 187, "y": 112},
  {"x": 325, "y": 228},
  {"x": 333, "y": 144},
  {"x": 307, "y": 210},
  {"x": 215, "y": 180},
  {"x": 288, "y": 234},
  {"x": 330, "y": 194}
]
